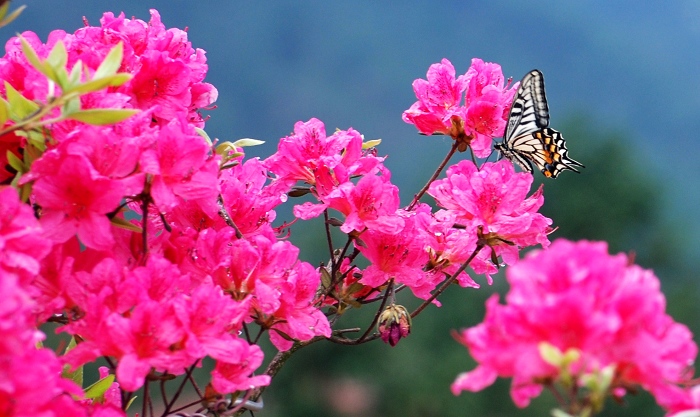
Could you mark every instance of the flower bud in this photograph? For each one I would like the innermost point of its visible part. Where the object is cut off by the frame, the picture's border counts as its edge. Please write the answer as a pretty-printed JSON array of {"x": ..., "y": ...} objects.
[{"x": 394, "y": 323}]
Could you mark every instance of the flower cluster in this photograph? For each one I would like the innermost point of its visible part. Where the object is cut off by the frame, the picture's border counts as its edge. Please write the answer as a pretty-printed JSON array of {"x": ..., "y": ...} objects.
[
  {"x": 148, "y": 249},
  {"x": 23, "y": 367},
  {"x": 606, "y": 316},
  {"x": 439, "y": 109},
  {"x": 413, "y": 247}
]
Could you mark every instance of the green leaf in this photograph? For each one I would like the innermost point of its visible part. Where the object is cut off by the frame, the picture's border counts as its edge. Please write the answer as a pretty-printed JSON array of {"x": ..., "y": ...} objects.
[
  {"x": 98, "y": 389},
  {"x": 15, "y": 162},
  {"x": 371, "y": 143},
  {"x": 102, "y": 116},
  {"x": 131, "y": 401},
  {"x": 12, "y": 16},
  {"x": 111, "y": 63},
  {"x": 77, "y": 375},
  {"x": 58, "y": 56},
  {"x": 36, "y": 139},
  {"x": 71, "y": 106},
  {"x": 325, "y": 278},
  {"x": 4, "y": 112},
  {"x": 75, "y": 73},
  {"x": 20, "y": 106},
  {"x": 247, "y": 142},
  {"x": 31, "y": 55},
  {"x": 559, "y": 413},
  {"x": 98, "y": 84},
  {"x": 3, "y": 9},
  {"x": 550, "y": 354},
  {"x": 125, "y": 224},
  {"x": 203, "y": 134}
]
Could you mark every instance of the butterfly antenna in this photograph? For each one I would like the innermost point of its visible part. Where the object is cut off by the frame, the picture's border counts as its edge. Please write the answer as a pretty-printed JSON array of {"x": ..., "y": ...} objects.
[
  {"x": 471, "y": 152},
  {"x": 489, "y": 157}
]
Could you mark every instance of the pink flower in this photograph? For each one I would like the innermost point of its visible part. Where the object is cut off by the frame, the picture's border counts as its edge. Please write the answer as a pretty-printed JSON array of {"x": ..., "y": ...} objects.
[
  {"x": 494, "y": 199},
  {"x": 309, "y": 153},
  {"x": 232, "y": 373},
  {"x": 439, "y": 99},
  {"x": 30, "y": 381},
  {"x": 482, "y": 116},
  {"x": 267, "y": 274},
  {"x": 371, "y": 203},
  {"x": 398, "y": 256},
  {"x": 74, "y": 198},
  {"x": 449, "y": 247},
  {"x": 487, "y": 101},
  {"x": 688, "y": 406},
  {"x": 22, "y": 245},
  {"x": 181, "y": 166},
  {"x": 575, "y": 296},
  {"x": 163, "y": 82},
  {"x": 247, "y": 198},
  {"x": 300, "y": 154}
]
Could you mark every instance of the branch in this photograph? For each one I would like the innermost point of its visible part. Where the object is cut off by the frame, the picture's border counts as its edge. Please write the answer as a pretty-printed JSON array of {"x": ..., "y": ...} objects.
[{"x": 437, "y": 172}]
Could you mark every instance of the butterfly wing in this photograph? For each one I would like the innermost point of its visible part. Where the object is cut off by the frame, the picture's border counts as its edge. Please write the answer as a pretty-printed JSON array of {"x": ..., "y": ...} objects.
[
  {"x": 546, "y": 148},
  {"x": 528, "y": 139},
  {"x": 529, "y": 111}
]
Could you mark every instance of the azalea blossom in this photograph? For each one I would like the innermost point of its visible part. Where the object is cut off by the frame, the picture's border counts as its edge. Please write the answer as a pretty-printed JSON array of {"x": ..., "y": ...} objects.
[
  {"x": 492, "y": 204},
  {"x": 399, "y": 257},
  {"x": 575, "y": 297},
  {"x": 482, "y": 116}
]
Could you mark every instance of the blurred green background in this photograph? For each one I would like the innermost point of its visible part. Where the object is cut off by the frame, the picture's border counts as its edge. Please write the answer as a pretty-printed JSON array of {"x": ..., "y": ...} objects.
[{"x": 622, "y": 87}]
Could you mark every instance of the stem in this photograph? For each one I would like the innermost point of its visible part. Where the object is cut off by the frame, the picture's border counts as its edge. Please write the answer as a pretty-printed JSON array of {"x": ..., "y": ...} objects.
[
  {"x": 449, "y": 281},
  {"x": 179, "y": 391},
  {"x": 227, "y": 217},
  {"x": 330, "y": 241},
  {"x": 276, "y": 364},
  {"x": 435, "y": 175},
  {"x": 389, "y": 290},
  {"x": 145, "y": 399}
]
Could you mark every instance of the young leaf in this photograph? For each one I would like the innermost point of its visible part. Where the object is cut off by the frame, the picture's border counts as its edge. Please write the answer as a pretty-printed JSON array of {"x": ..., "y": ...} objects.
[
  {"x": 98, "y": 84},
  {"x": 12, "y": 16},
  {"x": 20, "y": 106},
  {"x": 371, "y": 143},
  {"x": 31, "y": 55},
  {"x": 71, "y": 106},
  {"x": 15, "y": 162},
  {"x": 102, "y": 116},
  {"x": 203, "y": 134},
  {"x": 111, "y": 63},
  {"x": 75, "y": 73},
  {"x": 37, "y": 139},
  {"x": 125, "y": 224},
  {"x": 131, "y": 401},
  {"x": 3, "y": 9},
  {"x": 4, "y": 112},
  {"x": 98, "y": 389},
  {"x": 247, "y": 142},
  {"x": 58, "y": 56},
  {"x": 77, "y": 375}
]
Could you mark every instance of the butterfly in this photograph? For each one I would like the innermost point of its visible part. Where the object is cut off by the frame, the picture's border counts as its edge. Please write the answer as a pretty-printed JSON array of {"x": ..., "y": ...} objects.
[{"x": 528, "y": 138}]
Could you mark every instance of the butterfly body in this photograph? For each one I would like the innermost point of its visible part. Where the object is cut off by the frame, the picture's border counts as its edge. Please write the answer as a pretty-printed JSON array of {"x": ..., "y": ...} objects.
[{"x": 528, "y": 138}]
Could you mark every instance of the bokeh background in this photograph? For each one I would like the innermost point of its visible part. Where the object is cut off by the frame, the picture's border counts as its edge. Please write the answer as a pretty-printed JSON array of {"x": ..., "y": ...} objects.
[{"x": 623, "y": 87}]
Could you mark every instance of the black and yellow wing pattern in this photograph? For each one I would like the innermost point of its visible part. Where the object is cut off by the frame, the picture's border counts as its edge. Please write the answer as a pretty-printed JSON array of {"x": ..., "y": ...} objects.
[{"x": 528, "y": 138}]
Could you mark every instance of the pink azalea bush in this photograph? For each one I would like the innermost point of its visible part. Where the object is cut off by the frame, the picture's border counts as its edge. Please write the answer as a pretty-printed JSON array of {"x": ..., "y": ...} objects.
[
  {"x": 575, "y": 297},
  {"x": 154, "y": 247}
]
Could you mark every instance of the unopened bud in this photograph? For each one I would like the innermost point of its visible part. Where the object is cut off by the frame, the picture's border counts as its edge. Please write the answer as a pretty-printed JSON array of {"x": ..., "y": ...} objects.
[{"x": 394, "y": 323}]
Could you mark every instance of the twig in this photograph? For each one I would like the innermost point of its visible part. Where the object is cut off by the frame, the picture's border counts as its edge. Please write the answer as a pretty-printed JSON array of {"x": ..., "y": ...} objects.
[{"x": 435, "y": 175}]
